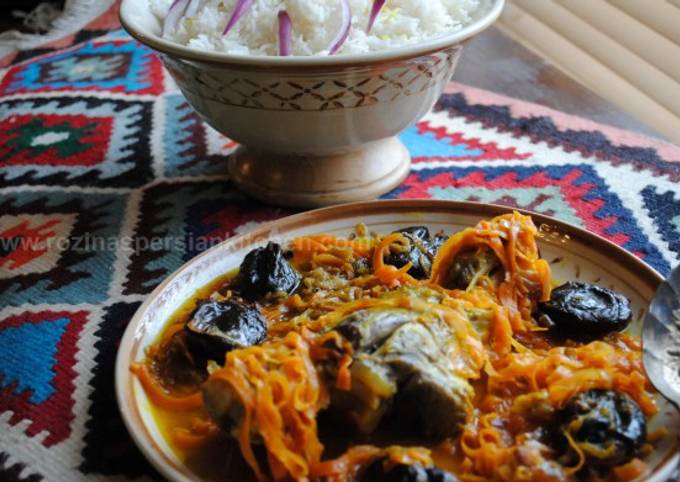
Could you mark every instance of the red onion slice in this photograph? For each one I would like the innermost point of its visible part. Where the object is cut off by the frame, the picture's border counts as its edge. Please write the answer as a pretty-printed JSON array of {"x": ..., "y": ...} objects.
[
  {"x": 285, "y": 33},
  {"x": 192, "y": 8},
  {"x": 175, "y": 14},
  {"x": 345, "y": 27},
  {"x": 242, "y": 6},
  {"x": 375, "y": 11}
]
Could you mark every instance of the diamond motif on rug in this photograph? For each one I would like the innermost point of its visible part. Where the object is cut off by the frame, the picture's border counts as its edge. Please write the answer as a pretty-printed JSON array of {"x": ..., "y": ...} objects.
[
  {"x": 180, "y": 220},
  {"x": 32, "y": 243},
  {"x": 576, "y": 193},
  {"x": 16, "y": 472},
  {"x": 664, "y": 209},
  {"x": 68, "y": 141},
  {"x": 121, "y": 66},
  {"x": 40, "y": 391},
  {"x": 427, "y": 143},
  {"x": 71, "y": 265},
  {"x": 591, "y": 144},
  {"x": 85, "y": 68},
  {"x": 108, "y": 448},
  {"x": 190, "y": 146},
  {"x": 53, "y": 139}
]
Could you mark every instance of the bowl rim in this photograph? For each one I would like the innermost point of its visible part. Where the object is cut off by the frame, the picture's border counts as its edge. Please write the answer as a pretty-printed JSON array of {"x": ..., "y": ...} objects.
[
  {"x": 133, "y": 27},
  {"x": 130, "y": 412}
]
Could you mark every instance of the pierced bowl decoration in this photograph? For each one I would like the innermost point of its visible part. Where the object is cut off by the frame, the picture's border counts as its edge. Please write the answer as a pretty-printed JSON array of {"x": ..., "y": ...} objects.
[
  {"x": 314, "y": 130},
  {"x": 661, "y": 338}
]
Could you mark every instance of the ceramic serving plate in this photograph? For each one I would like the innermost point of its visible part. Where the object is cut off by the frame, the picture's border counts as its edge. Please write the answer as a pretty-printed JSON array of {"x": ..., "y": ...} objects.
[{"x": 574, "y": 254}]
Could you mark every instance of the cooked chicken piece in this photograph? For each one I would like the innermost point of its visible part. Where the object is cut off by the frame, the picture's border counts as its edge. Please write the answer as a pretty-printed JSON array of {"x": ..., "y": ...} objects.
[
  {"x": 175, "y": 366},
  {"x": 405, "y": 365},
  {"x": 413, "y": 364},
  {"x": 222, "y": 404},
  {"x": 368, "y": 329}
]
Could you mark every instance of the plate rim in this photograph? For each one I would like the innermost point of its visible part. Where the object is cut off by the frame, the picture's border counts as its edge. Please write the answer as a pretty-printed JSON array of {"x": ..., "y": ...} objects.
[{"x": 122, "y": 378}]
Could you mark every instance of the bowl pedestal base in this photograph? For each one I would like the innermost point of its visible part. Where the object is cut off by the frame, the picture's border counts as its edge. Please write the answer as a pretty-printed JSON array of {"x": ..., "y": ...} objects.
[{"x": 366, "y": 173}]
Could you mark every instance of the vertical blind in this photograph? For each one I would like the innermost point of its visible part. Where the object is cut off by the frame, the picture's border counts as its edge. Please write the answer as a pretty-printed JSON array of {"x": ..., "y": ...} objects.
[{"x": 627, "y": 51}]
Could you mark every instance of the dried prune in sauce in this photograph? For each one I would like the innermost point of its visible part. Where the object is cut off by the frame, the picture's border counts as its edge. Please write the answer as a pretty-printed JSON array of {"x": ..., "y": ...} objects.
[
  {"x": 586, "y": 309},
  {"x": 217, "y": 327},
  {"x": 468, "y": 265},
  {"x": 607, "y": 425},
  {"x": 420, "y": 232},
  {"x": 421, "y": 251},
  {"x": 266, "y": 271},
  {"x": 378, "y": 471}
]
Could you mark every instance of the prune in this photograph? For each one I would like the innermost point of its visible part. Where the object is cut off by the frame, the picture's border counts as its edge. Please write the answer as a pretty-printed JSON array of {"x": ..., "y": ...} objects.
[
  {"x": 420, "y": 232},
  {"x": 470, "y": 265},
  {"x": 586, "y": 309},
  {"x": 608, "y": 426},
  {"x": 265, "y": 271},
  {"x": 420, "y": 253},
  {"x": 377, "y": 472},
  {"x": 217, "y": 327}
]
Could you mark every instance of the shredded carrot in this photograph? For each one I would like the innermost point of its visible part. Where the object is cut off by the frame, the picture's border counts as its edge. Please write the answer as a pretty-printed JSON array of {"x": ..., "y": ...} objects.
[
  {"x": 387, "y": 274},
  {"x": 341, "y": 349},
  {"x": 381, "y": 250},
  {"x": 305, "y": 247},
  {"x": 271, "y": 313},
  {"x": 159, "y": 396},
  {"x": 295, "y": 302},
  {"x": 199, "y": 434},
  {"x": 518, "y": 373},
  {"x": 344, "y": 379},
  {"x": 630, "y": 471},
  {"x": 512, "y": 238},
  {"x": 546, "y": 379},
  {"x": 579, "y": 453},
  {"x": 565, "y": 372},
  {"x": 500, "y": 334},
  {"x": 483, "y": 449},
  {"x": 329, "y": 260},
  {"x": 281, "y": 393}
]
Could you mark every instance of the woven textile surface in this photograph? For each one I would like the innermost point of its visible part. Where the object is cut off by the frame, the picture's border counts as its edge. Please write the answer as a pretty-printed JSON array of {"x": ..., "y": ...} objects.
[{"x": 100, "y": 155}]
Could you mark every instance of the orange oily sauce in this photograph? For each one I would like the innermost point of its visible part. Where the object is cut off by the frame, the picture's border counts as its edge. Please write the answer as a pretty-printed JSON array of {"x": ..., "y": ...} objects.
[{"x": 517, "y": 373}]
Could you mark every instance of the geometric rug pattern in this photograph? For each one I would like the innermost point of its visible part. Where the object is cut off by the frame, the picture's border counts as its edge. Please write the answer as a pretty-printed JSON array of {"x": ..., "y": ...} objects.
[{"x": 109, "y": 181}]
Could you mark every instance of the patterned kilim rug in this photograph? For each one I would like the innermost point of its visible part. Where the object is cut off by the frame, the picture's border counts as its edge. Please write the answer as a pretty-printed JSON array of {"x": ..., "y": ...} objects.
[{"x": 99, "y": 153}]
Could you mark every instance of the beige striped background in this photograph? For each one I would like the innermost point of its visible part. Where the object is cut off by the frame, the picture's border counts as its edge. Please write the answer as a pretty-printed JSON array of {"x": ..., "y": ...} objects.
[{"x": 627, "y": 51}]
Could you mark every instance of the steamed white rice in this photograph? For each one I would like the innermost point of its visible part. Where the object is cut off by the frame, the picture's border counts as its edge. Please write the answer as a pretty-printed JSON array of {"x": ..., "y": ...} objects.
[{"x": 315, "y": 25}]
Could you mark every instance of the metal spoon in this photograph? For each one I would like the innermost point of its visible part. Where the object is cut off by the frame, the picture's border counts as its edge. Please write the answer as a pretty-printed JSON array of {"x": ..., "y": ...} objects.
[{"x": 661, "y": 339}]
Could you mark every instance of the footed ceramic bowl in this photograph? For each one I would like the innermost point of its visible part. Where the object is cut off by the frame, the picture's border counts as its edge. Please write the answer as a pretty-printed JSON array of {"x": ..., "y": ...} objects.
[{"x": 314, "y": 130}]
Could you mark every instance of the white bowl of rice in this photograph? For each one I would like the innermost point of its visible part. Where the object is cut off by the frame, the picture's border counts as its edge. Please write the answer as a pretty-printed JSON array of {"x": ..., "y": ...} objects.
[{"x": 314, "y": 91}]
